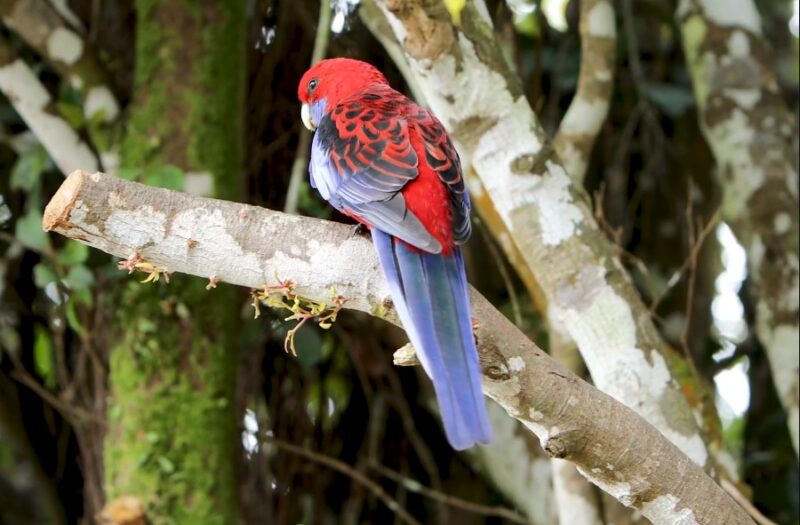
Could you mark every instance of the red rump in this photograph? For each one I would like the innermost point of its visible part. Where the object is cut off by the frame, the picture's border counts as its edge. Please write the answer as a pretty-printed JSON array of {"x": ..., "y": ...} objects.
[{"x": 429, "y": 199}]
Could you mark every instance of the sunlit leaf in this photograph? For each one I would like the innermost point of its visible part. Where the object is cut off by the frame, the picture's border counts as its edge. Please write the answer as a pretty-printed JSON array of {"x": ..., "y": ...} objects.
[
  {"x": 454, "y": 7},
  {"x": 79, "y": 277},
  {"x": 73, "y": 253},
  {"x": 166, "y": 465},
  {"x": 527, "y": 25},
  {"x": 27, "y": 171},
  {"x": 72, "y": 318},
  {"x": 43, "y": 275},
  {"x": 43, "y": 357},
  {"x": 72, "y": 114}
]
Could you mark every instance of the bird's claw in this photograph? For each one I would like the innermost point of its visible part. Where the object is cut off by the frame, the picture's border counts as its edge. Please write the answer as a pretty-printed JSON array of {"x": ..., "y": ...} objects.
[{"x": 359, "y": 229}]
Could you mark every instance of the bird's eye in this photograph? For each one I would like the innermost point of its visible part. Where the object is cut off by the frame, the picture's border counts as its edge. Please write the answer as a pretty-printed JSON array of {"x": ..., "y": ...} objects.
[{"x": 312, "y": 84}]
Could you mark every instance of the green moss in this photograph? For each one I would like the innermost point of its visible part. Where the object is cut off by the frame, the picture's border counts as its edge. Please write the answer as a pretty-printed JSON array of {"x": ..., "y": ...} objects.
[
  {"x": 172, "y": 436},
  {"x": 217, "y": 100}
]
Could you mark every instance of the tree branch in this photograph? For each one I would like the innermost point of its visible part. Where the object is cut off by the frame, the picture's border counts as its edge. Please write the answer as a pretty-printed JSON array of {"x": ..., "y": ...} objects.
[
  {"x": 751, "y": 133},
  {"x": 39, "y": 24},
  {"x": 470, "y": 87},
  {"x": 33, "y": 103},
  {"x": 252, "y": 246},
  {"x": 589, "y": 107}
]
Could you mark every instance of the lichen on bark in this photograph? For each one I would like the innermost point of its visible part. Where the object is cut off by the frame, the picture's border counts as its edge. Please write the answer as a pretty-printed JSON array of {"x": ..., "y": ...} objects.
[{"x": 751, "y": 133}]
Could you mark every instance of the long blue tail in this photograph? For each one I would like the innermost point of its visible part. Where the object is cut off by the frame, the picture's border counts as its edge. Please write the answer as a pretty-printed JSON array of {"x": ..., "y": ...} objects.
[{"x": 429, "y": 292}]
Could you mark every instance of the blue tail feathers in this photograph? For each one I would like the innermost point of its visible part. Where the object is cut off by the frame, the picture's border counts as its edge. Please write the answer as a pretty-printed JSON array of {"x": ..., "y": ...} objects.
[{"x": 429, "y": 292}]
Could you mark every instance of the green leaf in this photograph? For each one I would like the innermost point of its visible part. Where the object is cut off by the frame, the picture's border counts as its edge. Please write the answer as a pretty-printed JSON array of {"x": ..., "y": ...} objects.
[
  {"x": 72, "y": 114},
  {"x": 170, "y": 177},
  {"x": 129, "y": 173},
  {"x": 115, "y": 413},
  {"x": 79, "y": 277},
  {"x": 30, "y": 233},
  {"x": 73, "y": 253},
  {"x": 527, "y": 24},
  {"x": 166, "y": 465},
  {"x": 83, "y": 296},
  {"x": 43, "y": 275},
  {"x": 43, "y": 357},
  {"x": 9, "y": 340},
  {"x": 28, "y": 169},
  {"x": 72, "y": 318}
]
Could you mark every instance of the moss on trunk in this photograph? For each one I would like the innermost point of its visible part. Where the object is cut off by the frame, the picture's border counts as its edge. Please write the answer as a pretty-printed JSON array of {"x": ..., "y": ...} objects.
[{"x": 172, "y": 436}]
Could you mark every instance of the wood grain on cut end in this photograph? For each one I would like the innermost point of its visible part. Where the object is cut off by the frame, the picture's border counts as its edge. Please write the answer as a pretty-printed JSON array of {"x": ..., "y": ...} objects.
[{"x": 56, "y": 214}]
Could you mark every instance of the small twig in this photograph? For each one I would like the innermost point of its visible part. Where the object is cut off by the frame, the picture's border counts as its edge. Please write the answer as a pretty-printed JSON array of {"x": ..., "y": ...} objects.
[
  {"x": 678, "y": 275},
  {"x": 417, "y": 487},
  {"x": 347, "y": 470},
  {"x": 693, "y": 252},
  {"x": 301, "y": 159},
  {"x": 418, "y": 444},
  {"x": 69, "y": 412},
  {"x": 745, "y": 503},
  {"x": 615, "y": 234},
  {"x": 637, "y": 71}
]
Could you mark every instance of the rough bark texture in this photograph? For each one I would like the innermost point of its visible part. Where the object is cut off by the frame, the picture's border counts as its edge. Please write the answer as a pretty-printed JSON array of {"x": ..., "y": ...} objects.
[
  {"x": 472, "y": 90},
  {"x": 172, "y": 440},
  {"x": 376, "y": 20},
  {"x": 249, "y": 246},
  {"x": 589, "y": 107},
  {"x": 578, "y": 500},
  {"x": 752, "y": 134},
  {"x": 506, "y": 473}
]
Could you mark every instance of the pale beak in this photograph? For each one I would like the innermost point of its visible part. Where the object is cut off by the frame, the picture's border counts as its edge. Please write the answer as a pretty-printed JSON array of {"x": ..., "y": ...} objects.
[{"x": 305, "y": 115}]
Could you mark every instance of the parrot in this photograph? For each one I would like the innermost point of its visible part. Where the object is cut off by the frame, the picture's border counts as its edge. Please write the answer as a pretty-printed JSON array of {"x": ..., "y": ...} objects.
[{"x": 381, "y": 159}]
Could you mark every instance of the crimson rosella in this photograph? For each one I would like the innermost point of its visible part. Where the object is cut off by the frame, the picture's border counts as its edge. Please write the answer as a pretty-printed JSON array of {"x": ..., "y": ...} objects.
[{"x": 380, "y": 158}]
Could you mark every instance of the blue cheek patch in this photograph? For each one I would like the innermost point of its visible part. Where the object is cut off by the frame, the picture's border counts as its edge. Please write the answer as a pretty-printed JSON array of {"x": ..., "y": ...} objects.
[{"x": 317, "y": 110}]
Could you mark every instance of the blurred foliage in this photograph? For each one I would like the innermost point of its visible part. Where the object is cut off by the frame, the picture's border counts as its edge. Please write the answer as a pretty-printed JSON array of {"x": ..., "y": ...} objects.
[{"x": 341, "y": 396}]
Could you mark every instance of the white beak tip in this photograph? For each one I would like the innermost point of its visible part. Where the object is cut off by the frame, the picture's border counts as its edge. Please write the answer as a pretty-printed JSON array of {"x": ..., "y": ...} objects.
[{"x": 305, "y": 115}]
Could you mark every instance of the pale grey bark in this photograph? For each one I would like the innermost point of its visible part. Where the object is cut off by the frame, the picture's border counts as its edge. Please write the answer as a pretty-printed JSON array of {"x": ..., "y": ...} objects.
[
  {"x": 253, "y": 247},
  {"x": 587, "y": 112},
  {"x": 470, "y": 87},
  {"x": 752, "y": 135}
]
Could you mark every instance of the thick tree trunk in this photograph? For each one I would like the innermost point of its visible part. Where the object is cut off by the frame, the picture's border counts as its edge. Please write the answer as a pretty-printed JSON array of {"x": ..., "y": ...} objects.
[
  {"x": 470, "y": 87},
  {"x": 752, "y": 135},
  {"x": 172, "y": 438}
]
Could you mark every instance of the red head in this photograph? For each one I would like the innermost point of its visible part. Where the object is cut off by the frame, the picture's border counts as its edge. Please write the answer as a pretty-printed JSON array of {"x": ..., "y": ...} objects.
[{"x": 330, "y": 81}]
